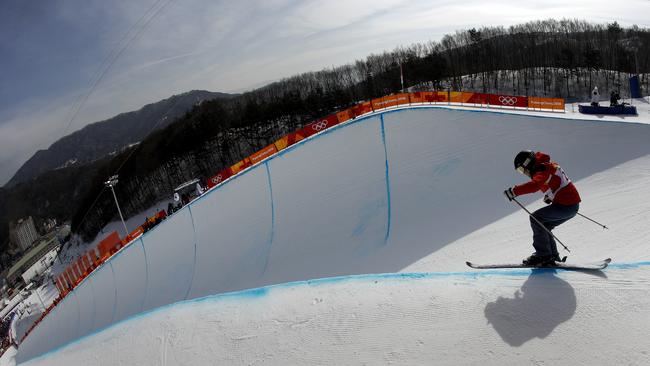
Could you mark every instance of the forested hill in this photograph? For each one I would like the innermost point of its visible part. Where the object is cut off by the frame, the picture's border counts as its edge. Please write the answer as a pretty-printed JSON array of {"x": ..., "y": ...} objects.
[{"x": 99, "y": 139}]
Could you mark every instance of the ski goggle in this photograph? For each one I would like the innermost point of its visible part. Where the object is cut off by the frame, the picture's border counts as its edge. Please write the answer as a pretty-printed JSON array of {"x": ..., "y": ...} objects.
[{"x": 523, "y": 170}]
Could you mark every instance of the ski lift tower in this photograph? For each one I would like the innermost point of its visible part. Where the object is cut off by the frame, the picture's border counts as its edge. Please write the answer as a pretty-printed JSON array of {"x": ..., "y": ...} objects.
[{"x": 112, "y": 182}]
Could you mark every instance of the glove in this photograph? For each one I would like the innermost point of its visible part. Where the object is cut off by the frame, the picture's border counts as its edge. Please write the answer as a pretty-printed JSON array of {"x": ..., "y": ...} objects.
[
  {"x": 510, "y": 195},
  {"x": 548, "y": 200}
]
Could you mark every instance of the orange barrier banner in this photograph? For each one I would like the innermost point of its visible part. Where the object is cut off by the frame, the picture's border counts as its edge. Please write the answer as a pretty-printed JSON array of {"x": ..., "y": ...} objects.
[
  {"x": 90, "y": 260},
  {"x": 403, "y": 98},
  {"x": 263, "y": 154},
  {"x": 362, "y": 108},
  {"x": 508, "y": 100},
  {"x": 66, "y": 280},
  {"x": 86, "y": 262},
  {"x": 390, "y": 101},
  {"x": 77, "y": 270},
  {"x": 70, "y": 276},
  {"x": 320, "y": 125},
  {"x": 422, "y": 97},
  {"x": 476, "y": 98},
  {"x": 137, "y": 232},
  {"x": 241, "y": 165},
  {"x": 288, "y": 140},
  {"x": 94, "y": 257},
  {"x": 546, "y": 103},
  {"x": 428, "y": 97},
  {"x": 346, "y": 115},
  {"x": 59, "y": 286},
  {"x": 82, "y": 266},
  {"x": 220, "y": 177},
  {"x": 442, "y": 96},
  {"x": 456, "y": 97},
  {"x": 109, "y": 245}
]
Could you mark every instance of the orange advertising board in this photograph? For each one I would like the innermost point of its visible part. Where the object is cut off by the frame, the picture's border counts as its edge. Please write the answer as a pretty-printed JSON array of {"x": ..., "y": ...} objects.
[
  {"x": 59, "y": 286},
  {"x": 69, "y": 280},
  {"x": 288, "y": 140},
  {"x": 112, "y": 241},
  {"x": 457, "y": 97},
  {"x": 442, "y": 96},
  {"x": 546, "y": 103},
  {"x": 476, "y": 98},
  {"x": 241, "y": 165},
  {"x": 403, "y": 98},
  {"x": 362, "y": 108},
  {"x": 346, "y": 115},
  {"x": 422, "y": 97},
  {"x": 263, "y": 154},
  {"x": 94, "y": 258},
  {"x": 390, "y": 101}
]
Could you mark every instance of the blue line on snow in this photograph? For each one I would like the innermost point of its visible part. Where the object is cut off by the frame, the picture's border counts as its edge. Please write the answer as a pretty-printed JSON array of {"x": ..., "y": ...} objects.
[
  {"x": 383, "y": 138},
  {"x": 189, "y": 287},
  {"x": 146, "y": 275},
  {"x": 92, "y": 289},
  {"x": 263, "y": 291},
  {"x": 115, "y": 286},
  {"x": 268, "y": 249}
]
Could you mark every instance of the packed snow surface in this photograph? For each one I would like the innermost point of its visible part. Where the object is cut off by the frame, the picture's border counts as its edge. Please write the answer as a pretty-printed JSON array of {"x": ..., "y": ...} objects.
[{"x": 350, "y": 248}]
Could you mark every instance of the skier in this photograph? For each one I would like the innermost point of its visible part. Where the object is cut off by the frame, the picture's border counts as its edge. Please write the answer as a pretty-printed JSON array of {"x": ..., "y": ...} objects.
[{"x": 560, "y": 193}]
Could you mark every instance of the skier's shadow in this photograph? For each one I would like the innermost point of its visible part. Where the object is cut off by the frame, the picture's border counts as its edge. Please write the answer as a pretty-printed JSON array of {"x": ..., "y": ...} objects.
[{"x": 543, "y": 302}]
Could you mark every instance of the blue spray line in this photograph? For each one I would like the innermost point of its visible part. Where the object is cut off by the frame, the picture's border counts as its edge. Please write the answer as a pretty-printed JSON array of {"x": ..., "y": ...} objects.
[
  {"x": 272, "y": 235},
  {"x": 388, "y": 219},
  {"x": 189, "y": 287}
]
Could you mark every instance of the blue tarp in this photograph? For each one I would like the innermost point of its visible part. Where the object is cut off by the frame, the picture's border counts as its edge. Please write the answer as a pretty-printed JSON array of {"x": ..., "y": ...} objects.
[{"x": 619, "y": 109}]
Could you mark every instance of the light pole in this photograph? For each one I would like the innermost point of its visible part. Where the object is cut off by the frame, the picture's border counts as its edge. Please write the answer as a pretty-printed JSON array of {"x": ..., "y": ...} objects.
[{"x": 111, "y": 182}]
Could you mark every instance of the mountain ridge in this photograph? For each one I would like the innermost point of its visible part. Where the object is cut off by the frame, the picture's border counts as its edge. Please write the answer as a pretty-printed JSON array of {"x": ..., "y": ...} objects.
[{"x": 109, "y": 136}]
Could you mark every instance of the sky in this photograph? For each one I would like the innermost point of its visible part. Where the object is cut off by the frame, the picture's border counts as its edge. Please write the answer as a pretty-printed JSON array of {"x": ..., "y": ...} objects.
[{"x": 67, "y": 63}]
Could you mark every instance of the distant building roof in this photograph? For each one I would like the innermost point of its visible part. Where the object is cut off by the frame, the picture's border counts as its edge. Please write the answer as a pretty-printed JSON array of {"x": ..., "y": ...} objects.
[
  {"x": 31, "y": 257},
  {"x": 190, "y": 183}
]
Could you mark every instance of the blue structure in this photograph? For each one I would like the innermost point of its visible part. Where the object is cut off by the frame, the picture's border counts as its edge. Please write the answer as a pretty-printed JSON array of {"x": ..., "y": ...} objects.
[
  {"x": 635, "y": 90},
  {"x": 619, "y": 109}
]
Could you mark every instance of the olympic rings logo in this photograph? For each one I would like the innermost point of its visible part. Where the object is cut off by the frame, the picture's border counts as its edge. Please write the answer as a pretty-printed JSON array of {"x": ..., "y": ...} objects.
[
  {"x": 505, "y": 100},
  {"x": 217, "y": 179},
  {"x": 320, "y": 125}
]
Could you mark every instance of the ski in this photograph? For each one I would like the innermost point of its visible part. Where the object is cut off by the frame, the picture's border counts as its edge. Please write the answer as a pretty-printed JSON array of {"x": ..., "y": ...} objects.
[{"x": 598, "y": 265}]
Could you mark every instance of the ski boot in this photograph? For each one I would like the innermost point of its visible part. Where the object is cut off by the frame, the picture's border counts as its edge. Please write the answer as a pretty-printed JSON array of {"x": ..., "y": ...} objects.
[
  {"x": 536, "y": 260},
  {"x": 557, "y": 259}
]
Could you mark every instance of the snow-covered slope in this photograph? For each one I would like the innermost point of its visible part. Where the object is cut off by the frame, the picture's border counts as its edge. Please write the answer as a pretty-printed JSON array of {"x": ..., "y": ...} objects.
[{"x": 415, "y": 191}]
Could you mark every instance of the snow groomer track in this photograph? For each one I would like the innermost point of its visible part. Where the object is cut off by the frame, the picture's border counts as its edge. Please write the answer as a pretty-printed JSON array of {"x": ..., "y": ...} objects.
[{"x": 350, "y": 247}]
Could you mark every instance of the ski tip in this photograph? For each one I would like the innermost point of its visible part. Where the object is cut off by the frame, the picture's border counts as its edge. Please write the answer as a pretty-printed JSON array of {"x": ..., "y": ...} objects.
[
  {"x": 468, "y": 263},
  {"x": 608, "y": 260}
]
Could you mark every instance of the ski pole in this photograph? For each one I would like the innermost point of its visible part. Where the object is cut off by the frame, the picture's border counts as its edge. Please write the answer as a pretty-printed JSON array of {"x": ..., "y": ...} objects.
[
  {"x": 540, "y": 224},
  {"x": 594, "y": 221}
]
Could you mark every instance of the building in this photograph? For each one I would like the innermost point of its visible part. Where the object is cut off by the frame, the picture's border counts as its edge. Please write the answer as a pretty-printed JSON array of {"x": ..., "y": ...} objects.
[
  {"x": 23, "y": 234},
  {"x": 45, "y": 246}
]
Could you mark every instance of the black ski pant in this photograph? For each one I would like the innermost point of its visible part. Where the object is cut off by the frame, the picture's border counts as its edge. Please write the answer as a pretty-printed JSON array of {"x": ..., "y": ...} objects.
[{"x": 550, "y": 216}]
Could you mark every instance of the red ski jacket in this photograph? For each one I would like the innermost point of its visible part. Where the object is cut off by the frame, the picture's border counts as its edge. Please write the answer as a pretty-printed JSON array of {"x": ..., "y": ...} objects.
[{"x": 550, "y": 179}]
